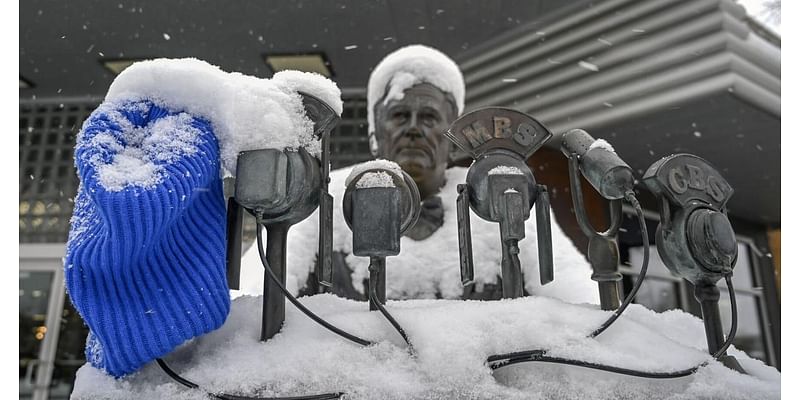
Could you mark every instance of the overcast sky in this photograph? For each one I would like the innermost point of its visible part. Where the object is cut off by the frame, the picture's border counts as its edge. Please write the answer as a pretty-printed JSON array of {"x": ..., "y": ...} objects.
[{"x": 760, "y": 10}]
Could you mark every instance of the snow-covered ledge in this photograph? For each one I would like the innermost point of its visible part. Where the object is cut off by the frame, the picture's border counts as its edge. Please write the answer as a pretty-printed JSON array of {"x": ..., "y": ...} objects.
[{"x": 452, "y": 339}]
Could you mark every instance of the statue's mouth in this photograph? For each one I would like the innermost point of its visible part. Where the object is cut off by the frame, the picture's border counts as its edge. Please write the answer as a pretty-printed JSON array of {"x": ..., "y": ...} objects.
[{"x": 409, "y": 158}]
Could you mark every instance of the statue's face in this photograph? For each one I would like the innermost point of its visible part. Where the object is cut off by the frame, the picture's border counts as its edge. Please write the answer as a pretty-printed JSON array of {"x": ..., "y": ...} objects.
[{"x": 410, "y": 132}]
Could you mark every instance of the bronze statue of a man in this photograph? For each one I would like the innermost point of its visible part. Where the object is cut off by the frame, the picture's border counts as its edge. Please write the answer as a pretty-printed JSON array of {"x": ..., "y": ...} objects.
[{"x": 413, "y": 96}]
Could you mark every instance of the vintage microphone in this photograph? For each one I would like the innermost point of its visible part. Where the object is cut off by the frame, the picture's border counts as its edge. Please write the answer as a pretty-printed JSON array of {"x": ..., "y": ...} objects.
[
  {"x": 695, "y": 238},
  {"x": 613, "y": 179},
  {"x": 379, "y": 204},
  {"x": 280, "y": 188},
  {"x": 501, "y": 188}
]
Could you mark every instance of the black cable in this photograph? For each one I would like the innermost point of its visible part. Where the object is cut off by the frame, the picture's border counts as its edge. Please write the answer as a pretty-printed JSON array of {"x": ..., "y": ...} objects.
[
  {"x": 502, "y": 360},
  {"x": 293, "y": 299},
  {"x": 540, "y": 356},
  {"x": 734, "y": 318},
  {"x": 222, "y": 396},
  {"x": 631, "y": 198},
  {"x": 373, "y": 297}
]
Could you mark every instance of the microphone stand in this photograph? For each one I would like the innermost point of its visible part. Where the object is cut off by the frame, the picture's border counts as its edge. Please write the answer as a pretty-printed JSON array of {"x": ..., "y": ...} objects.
[{"x": 603, "y": 252}]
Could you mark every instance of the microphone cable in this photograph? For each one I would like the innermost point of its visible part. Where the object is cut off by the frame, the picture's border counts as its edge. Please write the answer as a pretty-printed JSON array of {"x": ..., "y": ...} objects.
[
  {"x": 291, "y": 298},
  {"x": 223, "y": 396},
  {"x": 373, "y": 296},
  {"x": 502, "y": 360},
  {"x": 631, "y": 198}
]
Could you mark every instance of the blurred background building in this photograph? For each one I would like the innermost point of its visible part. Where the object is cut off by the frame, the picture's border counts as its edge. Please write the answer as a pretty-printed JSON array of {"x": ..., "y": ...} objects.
[{"x": 652, "y": 77}]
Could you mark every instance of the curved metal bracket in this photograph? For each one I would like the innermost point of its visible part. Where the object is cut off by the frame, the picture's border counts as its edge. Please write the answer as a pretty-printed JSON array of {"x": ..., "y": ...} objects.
[{"x": 615, "y": 206}]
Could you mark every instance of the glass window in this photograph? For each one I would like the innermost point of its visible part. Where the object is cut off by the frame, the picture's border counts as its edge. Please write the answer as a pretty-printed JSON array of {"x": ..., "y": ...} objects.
[
  {"x": 34, "y": 294},
  {"x": 69, "y": 352}
]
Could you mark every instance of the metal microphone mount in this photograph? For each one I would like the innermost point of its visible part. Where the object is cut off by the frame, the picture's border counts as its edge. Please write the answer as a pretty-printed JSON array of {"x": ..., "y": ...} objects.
[
  {"x": 501, "y": 188},
  {"x": 282, "y": 188},
  {"x": 694, "y": 238},
  {"x": 613, "y": 179},
  {"x": 378, "y": 216}
]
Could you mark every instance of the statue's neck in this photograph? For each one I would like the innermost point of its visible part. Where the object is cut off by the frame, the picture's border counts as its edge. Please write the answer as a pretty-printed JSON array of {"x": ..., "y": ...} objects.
[{"x": 431, "y": 218}]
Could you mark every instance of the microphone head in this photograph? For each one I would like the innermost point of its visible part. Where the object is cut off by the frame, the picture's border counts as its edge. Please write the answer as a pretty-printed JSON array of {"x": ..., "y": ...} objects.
[
  {"x": 599, "y": 164},
  {"x": 576, "y": 141}
]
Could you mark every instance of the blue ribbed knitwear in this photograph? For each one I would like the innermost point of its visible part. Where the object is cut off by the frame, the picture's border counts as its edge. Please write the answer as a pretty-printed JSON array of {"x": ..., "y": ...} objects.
[{"x": 145, "y": 264}]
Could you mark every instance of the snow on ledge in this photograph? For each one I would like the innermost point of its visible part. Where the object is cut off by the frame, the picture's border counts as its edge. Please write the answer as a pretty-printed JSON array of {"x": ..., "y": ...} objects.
[{"x": 452, "y": 339}]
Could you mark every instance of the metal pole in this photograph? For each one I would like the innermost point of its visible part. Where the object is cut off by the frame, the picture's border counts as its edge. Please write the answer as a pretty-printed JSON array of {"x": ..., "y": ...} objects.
[
  {"x": 274, "y": 305},
  {"x": 708, "y": 297},
  {"x": 604, "y": 259},
  {"x": 512, "y": 271}
]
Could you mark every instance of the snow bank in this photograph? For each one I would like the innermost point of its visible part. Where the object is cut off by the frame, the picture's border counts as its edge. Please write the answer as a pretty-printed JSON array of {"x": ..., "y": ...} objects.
[
  {"x": 430, "y": 268},
  {"x": 452, "y": 340},
  {"x": 246, "y": 112},
  {"x": 409, "y": 66}
]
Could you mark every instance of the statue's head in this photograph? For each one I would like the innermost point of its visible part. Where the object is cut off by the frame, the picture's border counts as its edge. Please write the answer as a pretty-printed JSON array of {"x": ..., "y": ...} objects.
[{"x": 414, "y": 95}]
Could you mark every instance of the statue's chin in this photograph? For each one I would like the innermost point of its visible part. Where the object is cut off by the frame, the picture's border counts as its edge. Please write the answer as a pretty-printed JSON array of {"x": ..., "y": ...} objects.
[{"x": 414, "y": 168}]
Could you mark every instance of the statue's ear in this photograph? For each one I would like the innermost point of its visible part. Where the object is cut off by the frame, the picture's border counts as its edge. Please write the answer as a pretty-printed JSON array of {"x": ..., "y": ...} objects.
[{"x": 373, "y": 144}]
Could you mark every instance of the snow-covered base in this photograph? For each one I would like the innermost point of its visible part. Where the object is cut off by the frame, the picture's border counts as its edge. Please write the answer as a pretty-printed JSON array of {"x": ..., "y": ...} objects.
[{"x": 452, "y": 339}]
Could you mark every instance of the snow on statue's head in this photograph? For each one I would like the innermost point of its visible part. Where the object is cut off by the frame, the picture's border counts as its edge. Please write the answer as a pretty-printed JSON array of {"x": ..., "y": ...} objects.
[{"x": 413, "y": 96}]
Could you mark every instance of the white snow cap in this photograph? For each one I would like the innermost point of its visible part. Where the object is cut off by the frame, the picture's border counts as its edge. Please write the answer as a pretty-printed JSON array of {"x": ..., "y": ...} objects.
[
  {"x": 602, "y": 144},
  {"x": 375, "y": 180},
  {"x": 409, "y": 66},
  {"x": 505, "y": 170},
  {"x": 247, "y": 113},
  {"x": 390, "y": 166}
]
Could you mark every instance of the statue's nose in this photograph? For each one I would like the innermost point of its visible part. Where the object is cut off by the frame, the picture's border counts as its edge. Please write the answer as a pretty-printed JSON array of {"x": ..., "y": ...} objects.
[
  {"x": 413, "y": 127},
  {"x": 414, "y": 132}
]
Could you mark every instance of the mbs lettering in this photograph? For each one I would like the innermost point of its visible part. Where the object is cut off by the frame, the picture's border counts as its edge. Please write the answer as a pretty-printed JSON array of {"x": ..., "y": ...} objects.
[
  {"x": 496, "y": 128},
  {"x": 477, "y": 134}
]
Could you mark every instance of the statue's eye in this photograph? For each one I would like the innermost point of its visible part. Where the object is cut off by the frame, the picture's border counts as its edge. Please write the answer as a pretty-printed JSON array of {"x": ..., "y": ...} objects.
[
  {"x": 429, "y": 119},
  {"x": 399, "y": 116}
]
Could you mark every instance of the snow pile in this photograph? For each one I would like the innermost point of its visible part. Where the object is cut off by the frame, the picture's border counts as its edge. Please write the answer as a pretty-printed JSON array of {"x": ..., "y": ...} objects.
[
  {"x": 246, "y": 112},
  {"x": 138, "y": 156},
  {"x": 452, "y": 340},
  {"x": 430, "y": 268},
  {"x": 601, "y": 144},
  {"x": 505, "y": 170},
  {"x": 375, "y": 180},
  {"x": 409, "y": 66}
]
